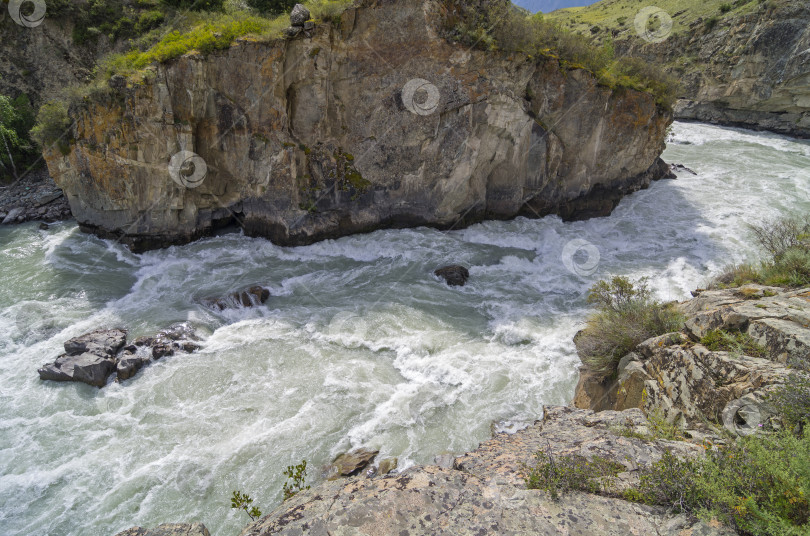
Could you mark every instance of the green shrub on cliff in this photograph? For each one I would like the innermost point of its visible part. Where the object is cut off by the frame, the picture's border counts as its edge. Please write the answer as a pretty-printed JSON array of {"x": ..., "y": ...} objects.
[
  {"x": 792, "y": 402},
  {"x": 564, "y": 474},
  {"x": 52, "y": 125},
  {"x": 627, "y": 314},
  {"x": 760, "y": 484},
  {"x": 735, "y": 342},
  {"x": 786, "y": 243}
]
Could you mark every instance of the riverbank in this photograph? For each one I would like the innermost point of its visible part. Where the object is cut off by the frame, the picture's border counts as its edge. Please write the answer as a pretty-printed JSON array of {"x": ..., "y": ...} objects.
[{"x": 34, "y": 197}]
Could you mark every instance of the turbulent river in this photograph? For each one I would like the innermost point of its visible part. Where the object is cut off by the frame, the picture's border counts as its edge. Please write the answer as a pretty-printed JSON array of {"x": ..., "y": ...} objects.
[{"x": 359, "y": 344}]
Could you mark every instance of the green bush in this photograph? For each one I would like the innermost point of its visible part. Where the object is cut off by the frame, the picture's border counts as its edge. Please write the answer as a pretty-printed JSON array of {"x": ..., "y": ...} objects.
[
  {"x": 786, "y": 243},
  {"x": 735, "y": 342},
  {"x": 760, "y": 484},
  {"x": 17, "y": 151},
  {"x": 711, "y": 22},
  {"x": 626, "y": 315},
  {"x": 52, "y": 126},
  {"x": 565, "y": 474},
  {"x": 792, "y": 402},
  {"x": 725, "y": 8}
]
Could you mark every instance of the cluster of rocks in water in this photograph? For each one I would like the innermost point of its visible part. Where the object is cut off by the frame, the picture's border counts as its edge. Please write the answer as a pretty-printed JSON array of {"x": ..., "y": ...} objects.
[
  {"x": 93, "y": 357},
  {"x": 35, "y": 197}
]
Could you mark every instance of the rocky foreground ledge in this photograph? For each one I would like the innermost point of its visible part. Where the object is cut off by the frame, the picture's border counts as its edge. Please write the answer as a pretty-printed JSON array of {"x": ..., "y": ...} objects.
[{"x": 673, "y": 377}]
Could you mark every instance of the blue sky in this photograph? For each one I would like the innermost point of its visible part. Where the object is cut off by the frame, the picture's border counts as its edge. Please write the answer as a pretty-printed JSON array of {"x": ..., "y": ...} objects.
[{"x": 550, "y": 5}]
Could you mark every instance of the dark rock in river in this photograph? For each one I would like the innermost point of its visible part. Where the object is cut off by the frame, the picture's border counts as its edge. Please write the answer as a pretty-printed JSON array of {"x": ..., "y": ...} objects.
[
  {"x": 102, "y": 342},
  {"x": 255, "y": 295},
  {"x": 87, "y": 368},
  {"x": 456, "y": 276}
]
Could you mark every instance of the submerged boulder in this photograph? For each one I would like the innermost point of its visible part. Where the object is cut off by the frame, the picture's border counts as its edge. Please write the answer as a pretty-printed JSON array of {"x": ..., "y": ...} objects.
[{"x": 255, "y": 295}]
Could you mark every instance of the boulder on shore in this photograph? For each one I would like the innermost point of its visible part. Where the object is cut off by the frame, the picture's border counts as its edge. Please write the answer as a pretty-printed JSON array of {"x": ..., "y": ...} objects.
[{"x": 351, "y": 463}]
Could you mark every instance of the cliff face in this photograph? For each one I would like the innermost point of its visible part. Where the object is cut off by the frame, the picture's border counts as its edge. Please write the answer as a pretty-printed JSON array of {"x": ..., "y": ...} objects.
[
  {"x": 751, "y": 71},
  {"x": 376, "y": 121},
  {"x": 748, "y": 66}
]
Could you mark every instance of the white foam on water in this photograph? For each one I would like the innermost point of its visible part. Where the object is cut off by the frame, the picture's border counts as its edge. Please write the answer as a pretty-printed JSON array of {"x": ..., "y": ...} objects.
[{"x": 358, "y": 345}]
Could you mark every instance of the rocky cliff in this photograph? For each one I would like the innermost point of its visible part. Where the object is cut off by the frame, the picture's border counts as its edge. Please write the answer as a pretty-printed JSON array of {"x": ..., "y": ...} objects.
[
  {"x": 742, "y": 63},
  {"x": 689, "y": 383},
  {"x": 375, "y": 121}
]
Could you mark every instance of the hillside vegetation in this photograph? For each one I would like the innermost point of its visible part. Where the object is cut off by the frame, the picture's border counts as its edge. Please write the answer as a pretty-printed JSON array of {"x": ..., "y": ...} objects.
[{"x": 616, "y": 18}]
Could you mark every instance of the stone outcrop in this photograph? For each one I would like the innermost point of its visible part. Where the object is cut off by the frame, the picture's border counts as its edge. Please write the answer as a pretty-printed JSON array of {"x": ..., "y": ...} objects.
[
  {"x": 376, "y": 121},
  {"x": 484, "y": 491},
  {"x": 93, "y": 357},
  {"x": 689, "y": 384},
  {"x": 168, "y": 529}
]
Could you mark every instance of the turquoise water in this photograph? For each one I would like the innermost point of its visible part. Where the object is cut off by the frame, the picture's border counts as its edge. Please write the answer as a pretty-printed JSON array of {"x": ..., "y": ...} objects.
[{"x": 359, "y": 344}]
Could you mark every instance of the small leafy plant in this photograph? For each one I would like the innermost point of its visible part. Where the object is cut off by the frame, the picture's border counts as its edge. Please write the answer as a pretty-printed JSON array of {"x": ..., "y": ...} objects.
[
  {"x": 569, "y": 473},
  {"x": 243, "y": 501},
  {"x": 296, "y": 475}
]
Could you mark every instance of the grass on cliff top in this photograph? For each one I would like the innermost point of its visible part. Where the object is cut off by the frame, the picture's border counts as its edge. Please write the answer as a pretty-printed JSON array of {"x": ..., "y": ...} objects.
[
  {"x": 615, "y": 18},
  {"x": 206, "y": 32},
  {"x": 507, "y": 28}
]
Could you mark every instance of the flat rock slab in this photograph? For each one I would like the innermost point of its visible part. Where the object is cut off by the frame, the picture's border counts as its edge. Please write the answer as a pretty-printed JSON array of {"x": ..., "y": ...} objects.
[
  {"x": 102, "y": 342},
  {"x": 86, "y": 368},
  {"x": 484, "y": 492},
  {"x": 168, "y": 529},
  {"x": 429, "y": 501}
]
